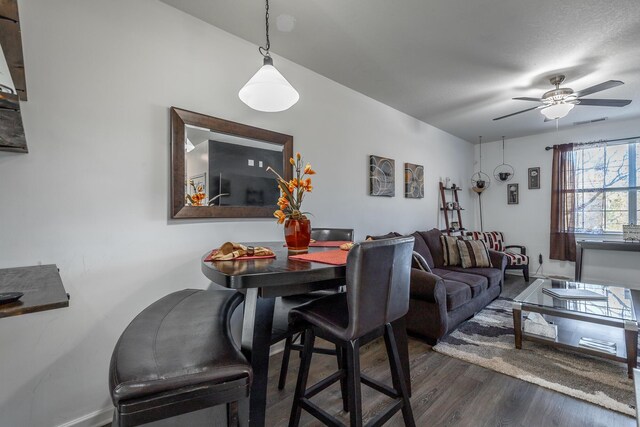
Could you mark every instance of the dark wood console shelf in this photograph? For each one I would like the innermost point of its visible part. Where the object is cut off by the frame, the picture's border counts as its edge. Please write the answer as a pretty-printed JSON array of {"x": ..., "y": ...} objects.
[
  {"x": 602, "y": 245},
  {"x": 41, "y": 285}
]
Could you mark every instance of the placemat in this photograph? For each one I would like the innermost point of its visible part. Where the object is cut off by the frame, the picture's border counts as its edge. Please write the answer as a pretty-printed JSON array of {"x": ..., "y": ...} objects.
[
  {"x": 242, "y": 258},
  {"x": 337, "y": 257}
]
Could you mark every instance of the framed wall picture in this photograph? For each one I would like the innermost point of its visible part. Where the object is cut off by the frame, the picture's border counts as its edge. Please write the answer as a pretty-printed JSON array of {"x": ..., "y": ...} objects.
[
  {"x": 382, "y": 172},
  {"x": 413, "y": 181},
  {"x": 513, "y": 194},
  {"x": 534, "y": 178}
]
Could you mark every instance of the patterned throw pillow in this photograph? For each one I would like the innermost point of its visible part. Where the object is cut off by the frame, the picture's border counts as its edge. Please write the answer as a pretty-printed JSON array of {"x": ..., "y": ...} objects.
[
  {"x": 474, "y": 253},
  {"x": 450, "y": 250},
  {"x": 493, "y": 239}
]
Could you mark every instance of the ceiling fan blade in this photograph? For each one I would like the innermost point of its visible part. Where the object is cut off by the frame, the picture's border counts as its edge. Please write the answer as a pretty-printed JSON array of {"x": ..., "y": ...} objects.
[
  {"x": 524, "y": 98},
  {"x": 513, "y": 114},
  {"x": 605, "y": 102},
  {"x": 597, "y": 88}
]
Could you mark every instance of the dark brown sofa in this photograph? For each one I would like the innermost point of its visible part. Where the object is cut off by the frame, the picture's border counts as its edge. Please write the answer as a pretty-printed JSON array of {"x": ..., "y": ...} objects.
[{"x": 447, "y": 296}]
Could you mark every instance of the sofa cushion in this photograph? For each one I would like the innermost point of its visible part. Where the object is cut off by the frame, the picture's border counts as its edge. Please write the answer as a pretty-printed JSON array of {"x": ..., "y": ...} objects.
[
  {"x": 493, "y": 275},
  {"x": 450, "y": 250},
  {"x": 473, "y": 253},
  {"x": 514, "y": 258},
  {"x": 432, "y": 239},
  {"x": 420, "y": 246},
  {"x": 458, "y": 294},
  {"x": 476, "y": 282}
]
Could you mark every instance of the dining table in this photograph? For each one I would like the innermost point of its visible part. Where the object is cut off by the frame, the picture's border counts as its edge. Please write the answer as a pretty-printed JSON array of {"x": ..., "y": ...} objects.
[{"x": 262, "y": 281}]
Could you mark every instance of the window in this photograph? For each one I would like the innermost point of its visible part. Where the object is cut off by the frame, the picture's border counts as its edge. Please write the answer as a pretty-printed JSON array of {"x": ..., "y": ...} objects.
[{"x": 606, "y": 188}]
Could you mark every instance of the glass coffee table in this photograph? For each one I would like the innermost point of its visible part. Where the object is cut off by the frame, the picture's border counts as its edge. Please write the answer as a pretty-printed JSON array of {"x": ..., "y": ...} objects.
[{"x": 603, "y": 325}]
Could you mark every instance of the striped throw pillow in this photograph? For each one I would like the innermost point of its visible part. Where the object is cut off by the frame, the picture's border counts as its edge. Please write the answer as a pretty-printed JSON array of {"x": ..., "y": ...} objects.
[
  {"x": 474, "y": 253},
  {"x": 450, "y": 250}
]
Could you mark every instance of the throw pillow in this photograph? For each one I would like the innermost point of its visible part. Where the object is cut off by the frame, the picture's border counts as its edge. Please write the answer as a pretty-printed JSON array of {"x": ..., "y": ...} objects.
[
  {"x": 474, "y": 253},
  {"x": 450, "y": 250}
]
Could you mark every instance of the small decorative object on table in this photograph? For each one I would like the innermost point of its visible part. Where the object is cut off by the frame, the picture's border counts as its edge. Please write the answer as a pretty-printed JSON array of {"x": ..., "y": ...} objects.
[
  {"x": 297, "y": 227},
  {"x": 631, "y": 233}
]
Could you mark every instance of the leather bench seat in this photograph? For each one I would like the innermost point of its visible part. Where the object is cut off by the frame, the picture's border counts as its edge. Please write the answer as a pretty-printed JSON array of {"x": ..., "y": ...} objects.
[{"x": 178, "y": 356}]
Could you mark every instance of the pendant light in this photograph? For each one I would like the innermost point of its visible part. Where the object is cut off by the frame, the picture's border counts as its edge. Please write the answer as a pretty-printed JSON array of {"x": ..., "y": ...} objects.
[
  {"x": 503, "y": 172},
  {"x": 268, "y": 90},
  {"x": 480, "y": 181}
]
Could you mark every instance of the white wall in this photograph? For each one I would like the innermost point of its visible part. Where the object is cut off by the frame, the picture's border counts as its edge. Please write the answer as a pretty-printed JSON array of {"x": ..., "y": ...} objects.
[
  {"x": 92, "y": 194},
  {"x": 528, "y": 222}
]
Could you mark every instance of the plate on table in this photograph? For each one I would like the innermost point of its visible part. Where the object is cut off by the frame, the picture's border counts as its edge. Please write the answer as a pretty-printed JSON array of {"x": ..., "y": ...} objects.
[{"x": 9, "y": 297}]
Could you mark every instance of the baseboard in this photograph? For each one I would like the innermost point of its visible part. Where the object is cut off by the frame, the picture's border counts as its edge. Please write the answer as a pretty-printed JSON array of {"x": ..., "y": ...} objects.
[{"x": 94, "y": 419}]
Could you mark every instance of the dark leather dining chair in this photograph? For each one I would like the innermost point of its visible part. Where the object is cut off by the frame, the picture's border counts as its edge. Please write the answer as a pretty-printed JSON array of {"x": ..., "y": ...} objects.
[
  {"x": 287, "y": 303},
  {"x": 378, "y": 275}
]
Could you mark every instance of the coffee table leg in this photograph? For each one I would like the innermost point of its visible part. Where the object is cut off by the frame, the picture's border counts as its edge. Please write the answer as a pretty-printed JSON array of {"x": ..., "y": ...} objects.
[
  {"x": 517, "y": 324},
  {"x": 631, "y": 342}
]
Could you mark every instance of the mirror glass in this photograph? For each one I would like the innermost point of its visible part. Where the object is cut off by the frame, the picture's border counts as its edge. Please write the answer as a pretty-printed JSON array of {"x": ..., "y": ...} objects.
[
  {"x": 229, "y": 170},
  {"x": 219, "y": 167}
]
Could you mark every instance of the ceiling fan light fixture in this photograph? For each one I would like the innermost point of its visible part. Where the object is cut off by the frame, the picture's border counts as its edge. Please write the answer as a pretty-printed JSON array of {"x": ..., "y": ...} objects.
[
  {"x": 268, "y": 90},
  {"x": 557, "y": 110}
]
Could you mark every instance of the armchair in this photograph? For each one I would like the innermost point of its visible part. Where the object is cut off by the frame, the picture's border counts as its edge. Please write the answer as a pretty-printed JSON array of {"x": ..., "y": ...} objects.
[{"x": 495, "y": 241}]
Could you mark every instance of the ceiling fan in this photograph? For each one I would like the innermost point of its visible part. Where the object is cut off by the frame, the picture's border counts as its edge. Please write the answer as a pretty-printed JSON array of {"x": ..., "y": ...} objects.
[{"x": 557, "y": 102}]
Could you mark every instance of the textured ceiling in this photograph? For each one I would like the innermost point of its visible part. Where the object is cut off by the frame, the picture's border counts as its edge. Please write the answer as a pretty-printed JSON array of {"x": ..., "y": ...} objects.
[{"x": 454, "y": 64}]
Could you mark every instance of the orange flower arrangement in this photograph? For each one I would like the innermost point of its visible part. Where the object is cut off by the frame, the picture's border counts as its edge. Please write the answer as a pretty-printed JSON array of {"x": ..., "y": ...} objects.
[
  {"x": 198, "y": 195},
  {"x": 292, "y": 192}
]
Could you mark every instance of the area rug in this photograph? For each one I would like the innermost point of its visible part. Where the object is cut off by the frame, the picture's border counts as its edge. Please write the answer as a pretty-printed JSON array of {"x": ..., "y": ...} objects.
[{"x": 487, "y": 340}]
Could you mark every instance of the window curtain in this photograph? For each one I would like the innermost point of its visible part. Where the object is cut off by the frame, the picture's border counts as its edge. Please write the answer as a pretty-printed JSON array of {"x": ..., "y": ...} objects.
[{"x": 563, "y": 239}]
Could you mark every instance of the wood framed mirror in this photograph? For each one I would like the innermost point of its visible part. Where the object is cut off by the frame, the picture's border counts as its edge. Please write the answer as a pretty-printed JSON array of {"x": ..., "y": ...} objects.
[{"x": 219, "y": 167}]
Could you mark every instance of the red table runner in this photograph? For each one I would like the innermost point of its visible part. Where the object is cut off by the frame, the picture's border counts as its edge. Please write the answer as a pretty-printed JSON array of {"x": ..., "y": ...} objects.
[{"x": 337, "y": 257}]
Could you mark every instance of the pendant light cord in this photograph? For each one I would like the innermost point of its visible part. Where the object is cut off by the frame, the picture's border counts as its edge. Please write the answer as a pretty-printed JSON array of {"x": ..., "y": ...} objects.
[
  {"x": 264, "y": 51},
  {"x": 503, "y": 150},
  {"x": 480, "y": 154}
]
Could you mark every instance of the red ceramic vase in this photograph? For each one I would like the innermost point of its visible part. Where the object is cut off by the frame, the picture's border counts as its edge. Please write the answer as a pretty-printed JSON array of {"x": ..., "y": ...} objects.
[{"x": 297, "y": 234}]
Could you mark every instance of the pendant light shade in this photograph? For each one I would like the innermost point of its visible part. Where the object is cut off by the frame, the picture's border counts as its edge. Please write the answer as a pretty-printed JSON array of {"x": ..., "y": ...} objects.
[{"x": 268, "y": 90}]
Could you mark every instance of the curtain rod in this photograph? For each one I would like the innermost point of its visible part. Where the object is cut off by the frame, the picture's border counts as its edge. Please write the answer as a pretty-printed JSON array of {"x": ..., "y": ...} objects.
[{"x": 600, "y": 142}]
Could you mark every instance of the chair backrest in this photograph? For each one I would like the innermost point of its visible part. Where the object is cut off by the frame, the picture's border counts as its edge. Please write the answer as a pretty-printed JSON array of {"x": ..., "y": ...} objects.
[
  {"x": 493, "y": 239},
  {"x": 325, "y": 234},
  {"x": 378, "y": 274}
]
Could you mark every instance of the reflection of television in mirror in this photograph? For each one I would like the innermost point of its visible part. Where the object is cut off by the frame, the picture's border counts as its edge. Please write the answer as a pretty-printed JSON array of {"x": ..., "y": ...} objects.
[{"x": 239, "y": 173}]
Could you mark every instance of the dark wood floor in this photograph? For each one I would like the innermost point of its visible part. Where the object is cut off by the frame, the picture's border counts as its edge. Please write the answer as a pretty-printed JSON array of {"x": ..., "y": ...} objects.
[{"x": 446, "y": 392}]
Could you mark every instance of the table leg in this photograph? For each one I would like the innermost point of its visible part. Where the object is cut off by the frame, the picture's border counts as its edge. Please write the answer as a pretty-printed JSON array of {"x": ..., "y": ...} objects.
[
  {"x": 256, "y": 340},
  {"x": 517, "y": 324},
  {"x": 402, "y": 342},
  {"x": 631, "y": 342}
]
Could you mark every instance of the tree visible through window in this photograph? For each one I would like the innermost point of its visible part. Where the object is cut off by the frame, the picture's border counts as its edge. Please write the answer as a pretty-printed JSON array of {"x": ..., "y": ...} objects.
[{"x": 606, "y": 179}]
